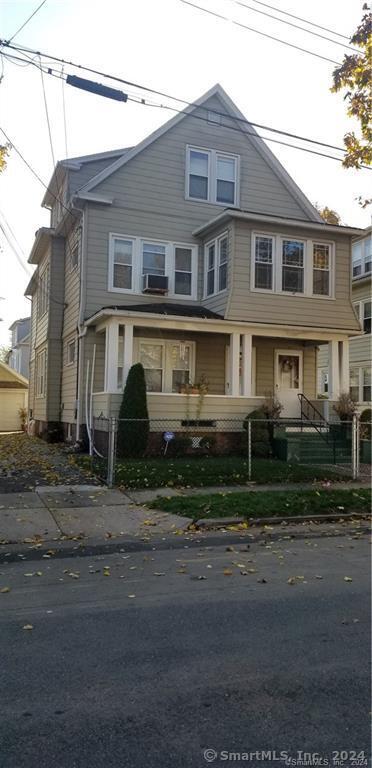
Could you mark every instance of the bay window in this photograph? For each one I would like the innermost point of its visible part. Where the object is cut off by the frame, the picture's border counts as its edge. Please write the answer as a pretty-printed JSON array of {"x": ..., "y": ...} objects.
[
  {"x": 367, "y": 306},
  {"x": 354, "y": 384},
  {"x": 41, "y": 366},
  {"x": 293, "y": 266},
  {"x": 216, "y": 261},
  {"x": 367, "y": 385},
  {"x": 212, "y": 176},
  {"x": 361, "y": 384},
  {"x": 151, "y": 355},
  {"x": 263, "y": 268},
  {"x": 321, "y": 269},
  {"x": 362, "y": 256}
]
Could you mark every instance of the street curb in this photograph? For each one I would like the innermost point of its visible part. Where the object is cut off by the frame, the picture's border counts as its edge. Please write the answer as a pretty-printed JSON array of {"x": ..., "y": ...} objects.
[
  {"x": 16, "y": 553},
  {"x": 223, "y": 522}
]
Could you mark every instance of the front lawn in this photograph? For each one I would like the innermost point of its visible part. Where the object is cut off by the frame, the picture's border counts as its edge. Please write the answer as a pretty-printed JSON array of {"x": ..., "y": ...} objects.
[
  {"x": 215, "y": 470},
  {"x": 266, "y": 503}
]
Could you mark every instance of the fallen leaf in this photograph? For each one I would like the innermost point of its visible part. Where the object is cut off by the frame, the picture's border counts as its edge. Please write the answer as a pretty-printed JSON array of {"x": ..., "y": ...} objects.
[
  {"x": 261, "y": 581},
  {"x": 227, "y": 572},
  {"x": 130, "y": 596},
  {"x": 27, "y": 626},
  {"x": 347, "y": 578},
  {"x": 291, "y": 580},
  {"x": 158, "y": 573},
  {"x": 3, "y": 590}
]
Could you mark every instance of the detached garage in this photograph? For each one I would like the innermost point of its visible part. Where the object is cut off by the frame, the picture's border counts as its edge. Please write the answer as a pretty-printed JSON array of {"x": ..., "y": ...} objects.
[{"x": 13, "y": 396}]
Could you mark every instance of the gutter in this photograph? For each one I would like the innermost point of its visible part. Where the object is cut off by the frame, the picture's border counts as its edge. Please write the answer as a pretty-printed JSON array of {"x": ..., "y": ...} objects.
[{"x": 298, "y": 223}]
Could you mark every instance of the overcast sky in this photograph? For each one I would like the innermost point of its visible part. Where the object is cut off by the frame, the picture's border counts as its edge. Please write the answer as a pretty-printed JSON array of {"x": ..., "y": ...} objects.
[{"x": 176, "y": 49}]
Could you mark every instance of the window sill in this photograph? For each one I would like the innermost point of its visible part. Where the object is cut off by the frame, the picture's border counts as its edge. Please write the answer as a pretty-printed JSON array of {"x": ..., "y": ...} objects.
[
  {"x": 213, "y": 295},
  {"x": 211, "y": 202},
  {"x": 132, "y": 292}
]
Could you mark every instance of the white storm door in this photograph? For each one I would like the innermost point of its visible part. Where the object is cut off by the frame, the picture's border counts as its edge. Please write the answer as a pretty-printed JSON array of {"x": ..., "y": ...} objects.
[{"x": 288, "y": 380}]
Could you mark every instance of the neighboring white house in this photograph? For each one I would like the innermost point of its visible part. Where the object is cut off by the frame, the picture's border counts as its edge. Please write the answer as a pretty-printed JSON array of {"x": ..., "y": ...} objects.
[
  {"x": 13, "y": 397},
  {"x": 360, "y": 347},
  {"x": 19, "y": 356}
]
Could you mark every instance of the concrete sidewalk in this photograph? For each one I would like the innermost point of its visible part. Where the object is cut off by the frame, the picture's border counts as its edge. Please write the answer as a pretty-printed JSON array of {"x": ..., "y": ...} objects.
[
  {"x": 88, "y": 512},
  {"x": 83, "y": 512}
]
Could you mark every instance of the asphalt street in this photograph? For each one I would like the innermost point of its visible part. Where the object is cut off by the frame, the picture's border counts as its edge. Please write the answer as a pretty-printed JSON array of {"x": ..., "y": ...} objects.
[{"x": 151, "y": 658}]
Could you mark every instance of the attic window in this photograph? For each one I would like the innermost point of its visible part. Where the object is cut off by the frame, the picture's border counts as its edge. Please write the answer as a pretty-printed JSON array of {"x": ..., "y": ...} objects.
[
  {"x": 214, "y": 118},
  {"x": 212, "y": 176}
]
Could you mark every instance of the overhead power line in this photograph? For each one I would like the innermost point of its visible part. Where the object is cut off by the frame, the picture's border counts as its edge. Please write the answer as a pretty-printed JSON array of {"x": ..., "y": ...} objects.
[
  {"x": 179, "y": 100},
  {"x": 299, "y": 18},
  {"x": 258, "y": 32},
  {"x": 296, "y": 26},
  {"x": 27, "y": 20}
]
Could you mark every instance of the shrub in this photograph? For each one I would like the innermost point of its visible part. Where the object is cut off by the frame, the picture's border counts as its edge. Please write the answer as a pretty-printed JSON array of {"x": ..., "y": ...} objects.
[
  {"x": 365, "y": 424},
  {"x": 133, "y": 435},
  {"x": 345, "y": 406},
  {"x": 259, "y": 433}
]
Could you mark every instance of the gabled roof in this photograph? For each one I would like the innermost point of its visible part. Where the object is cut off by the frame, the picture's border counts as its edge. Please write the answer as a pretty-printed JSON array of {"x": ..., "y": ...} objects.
[
  {"x": 17, "y": 377},
  {"x": 253, "y": 137}
]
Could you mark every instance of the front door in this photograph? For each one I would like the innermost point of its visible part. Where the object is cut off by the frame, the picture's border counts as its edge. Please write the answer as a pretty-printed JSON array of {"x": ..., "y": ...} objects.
[{"x": 288, "y": 380}]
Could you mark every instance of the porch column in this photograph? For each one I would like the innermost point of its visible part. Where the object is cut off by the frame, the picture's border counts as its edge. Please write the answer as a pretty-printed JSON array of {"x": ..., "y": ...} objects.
[
  {"x": 128, "y": 351},
  {"x": 247, "y": 364},
  {"x": 111, "y": 359},
  {"x": 234, "y": 364},
  {"x": 345, "y": 366},
  {"x": 333, "y": 370}
]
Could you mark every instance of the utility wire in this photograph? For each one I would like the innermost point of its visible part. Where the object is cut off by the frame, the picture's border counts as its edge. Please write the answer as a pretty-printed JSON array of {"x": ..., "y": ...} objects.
[
  {"x": 258, "y": 32},
  {"x": 296, "y": 26},
  {"x": 64, "y": 111},
  {"x": 143, "y": 102},
  {"x": 171, "y": 97},
  {"x": 27, "y": 20},
  {"x": 47, "y": 116},
  {"x": 293, "y": 16}
]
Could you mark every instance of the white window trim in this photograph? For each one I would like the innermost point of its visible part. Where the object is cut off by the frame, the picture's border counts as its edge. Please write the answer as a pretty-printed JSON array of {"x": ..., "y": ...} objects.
[
  {"x": 215, "y": 241},
  {"x": 212, "y": 176},
  {"x": 137, "y": 265},
  {"x": 69, "y": 342},
  {"x": 43, "y": 292},
  {"x": 165, "y": 343},
  {"x": 308, "y": 265},
  {"x": 41, "y": 355},
  {"x": 359, "y": 367},
  {"x": 364, "y": 257},
  {"x": 362, "y": 304}
]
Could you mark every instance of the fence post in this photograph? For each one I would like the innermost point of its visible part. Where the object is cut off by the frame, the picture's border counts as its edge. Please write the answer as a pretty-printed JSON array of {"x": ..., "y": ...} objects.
[
  {"x": 249, "y": 431},
  {"x": 355, "y": 443},
  {"x": 111, "y": 452}
]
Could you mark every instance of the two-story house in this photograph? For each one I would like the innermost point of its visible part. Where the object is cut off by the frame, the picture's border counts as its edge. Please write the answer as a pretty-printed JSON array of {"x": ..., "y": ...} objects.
[
  {"x": 360, "y": 347},
  {"x": 195, "y": 253},
  {"x": 19, "y": 355}
]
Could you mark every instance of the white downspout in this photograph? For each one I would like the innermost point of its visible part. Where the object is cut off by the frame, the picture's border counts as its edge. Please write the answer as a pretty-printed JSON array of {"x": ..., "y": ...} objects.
[{"x": 81, "y": 328}]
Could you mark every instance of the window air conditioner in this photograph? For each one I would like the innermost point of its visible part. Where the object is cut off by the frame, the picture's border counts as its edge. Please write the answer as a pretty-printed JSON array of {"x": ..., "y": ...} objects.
[{"x": 155, "y": 284}]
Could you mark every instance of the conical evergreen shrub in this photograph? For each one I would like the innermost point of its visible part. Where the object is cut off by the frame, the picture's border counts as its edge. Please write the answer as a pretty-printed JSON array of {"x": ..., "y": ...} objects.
[{"x": 133, "y": 435}]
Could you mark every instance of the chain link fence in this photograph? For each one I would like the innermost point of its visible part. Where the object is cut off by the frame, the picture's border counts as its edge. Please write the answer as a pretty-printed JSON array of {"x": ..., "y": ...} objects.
[{"x": 288, "y": 440}]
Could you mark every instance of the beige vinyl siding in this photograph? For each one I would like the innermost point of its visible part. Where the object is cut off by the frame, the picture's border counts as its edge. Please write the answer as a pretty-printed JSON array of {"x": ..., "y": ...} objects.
[
  {"x": 209, "y": 354},
  {"x": 40, "y": 404},
  {"x": 77, "y": 179},
  {"x": 168, "y": 407},
  {"x": 154, "y": 180},
  {"x": 149, "y": 201},
  {"x": 70, "y": 324},
  {"x": 276, "y": 308},
  {"x": 55, "y": 310},
  {"x": 218, "y": 303},
  {"x": 42, "y": 323},
  {"x": 265, "y": 365},
  {"x": 362, "y": 289}
]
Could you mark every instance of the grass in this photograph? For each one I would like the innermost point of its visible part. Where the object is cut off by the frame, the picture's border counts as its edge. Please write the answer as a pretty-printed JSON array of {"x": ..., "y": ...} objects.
[
  {"x": 266, "y": 503},
  {"x": 222, "y": 470}
]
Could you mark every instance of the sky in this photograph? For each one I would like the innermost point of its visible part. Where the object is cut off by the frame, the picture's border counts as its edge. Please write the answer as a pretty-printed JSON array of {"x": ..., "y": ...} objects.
[{"x": 176, "y": 49}]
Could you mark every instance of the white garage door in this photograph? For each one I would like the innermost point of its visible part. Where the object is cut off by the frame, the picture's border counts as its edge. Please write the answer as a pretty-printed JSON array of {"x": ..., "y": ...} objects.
[{"x": 11, "y": 400}]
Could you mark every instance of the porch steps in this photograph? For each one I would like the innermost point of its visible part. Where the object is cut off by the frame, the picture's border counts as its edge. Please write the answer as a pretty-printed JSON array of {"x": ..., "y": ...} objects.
[{"x": 309, "y": 447}]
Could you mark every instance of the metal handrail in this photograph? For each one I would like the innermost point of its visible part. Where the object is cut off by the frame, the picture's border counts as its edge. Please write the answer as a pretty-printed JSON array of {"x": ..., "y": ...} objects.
[{"x": 329, "y": 439}]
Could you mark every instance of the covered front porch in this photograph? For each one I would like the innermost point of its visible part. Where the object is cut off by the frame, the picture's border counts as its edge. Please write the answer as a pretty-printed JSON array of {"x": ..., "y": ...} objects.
[{"x": 210, "y": 369}]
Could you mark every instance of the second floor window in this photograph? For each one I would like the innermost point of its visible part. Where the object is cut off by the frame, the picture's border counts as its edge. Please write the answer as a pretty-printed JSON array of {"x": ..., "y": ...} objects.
[
  {"x": 130, "y": 258},
  {"x": 41, "y": 361},
  {"x": 367, "y": 306},
  {"x": 216, "y": 262},
  {"x": 43, "y": 293},
  {"x": 212, "y": 176},
  {"x": 362, "y": 256},
  {"x": 285, "y": 265}
]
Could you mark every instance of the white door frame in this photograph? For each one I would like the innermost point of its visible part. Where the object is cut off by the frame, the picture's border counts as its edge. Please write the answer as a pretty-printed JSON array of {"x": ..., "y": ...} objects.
[{"x": 291, "y": 352}]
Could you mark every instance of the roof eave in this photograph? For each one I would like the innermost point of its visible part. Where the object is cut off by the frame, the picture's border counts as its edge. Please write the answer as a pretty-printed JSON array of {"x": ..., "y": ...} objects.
[{"x": 261, "y": 217}]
